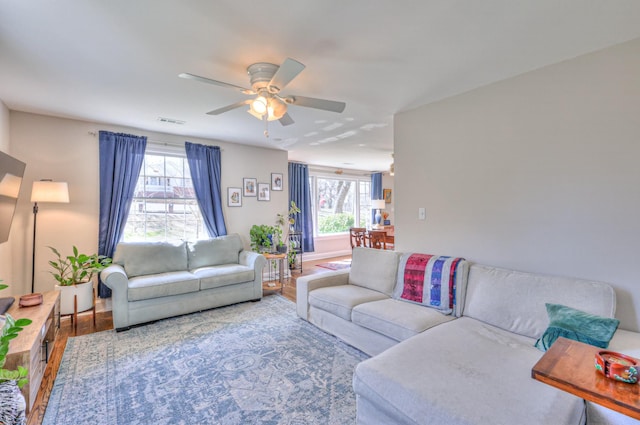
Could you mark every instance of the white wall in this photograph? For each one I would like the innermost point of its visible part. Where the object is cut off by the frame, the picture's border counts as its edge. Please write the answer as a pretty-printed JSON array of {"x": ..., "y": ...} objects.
[
  {"x": 65, "y": 150},
  {"x": 537, "y": 173}
]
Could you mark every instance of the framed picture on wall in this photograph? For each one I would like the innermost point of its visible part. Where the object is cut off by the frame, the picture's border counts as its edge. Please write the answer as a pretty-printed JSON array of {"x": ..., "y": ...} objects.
[
  {"x": 387, "y": 195},
  {"x": 249, "y": 187},
  {"x": 264, "y": 193},
  {"x": 234, "y": 197},
  {"x": 276, "y": 181}
]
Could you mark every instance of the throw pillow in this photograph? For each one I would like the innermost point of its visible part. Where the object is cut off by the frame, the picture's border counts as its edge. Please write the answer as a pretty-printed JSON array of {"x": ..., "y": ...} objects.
[{"x": 577, "y": 325}]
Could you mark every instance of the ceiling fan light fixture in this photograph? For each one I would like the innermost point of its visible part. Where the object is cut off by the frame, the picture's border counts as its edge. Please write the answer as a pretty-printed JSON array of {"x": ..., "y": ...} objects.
[
  {"x": 259, "y": 106},
  {"x": 277, "y": 108}
]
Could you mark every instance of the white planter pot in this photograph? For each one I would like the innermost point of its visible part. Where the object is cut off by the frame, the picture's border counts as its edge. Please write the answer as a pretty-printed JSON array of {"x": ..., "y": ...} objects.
[
  {"x": 84, "y": 292},
  {"x": 12, "y": 404}
]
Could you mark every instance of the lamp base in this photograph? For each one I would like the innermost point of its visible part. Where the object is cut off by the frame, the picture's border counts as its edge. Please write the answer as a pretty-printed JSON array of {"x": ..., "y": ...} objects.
[{"x": 378, "y": 218}]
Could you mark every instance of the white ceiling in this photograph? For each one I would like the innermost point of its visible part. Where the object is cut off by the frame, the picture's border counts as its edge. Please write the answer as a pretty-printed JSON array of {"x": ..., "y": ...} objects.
[{"x": 118, "y": 61}]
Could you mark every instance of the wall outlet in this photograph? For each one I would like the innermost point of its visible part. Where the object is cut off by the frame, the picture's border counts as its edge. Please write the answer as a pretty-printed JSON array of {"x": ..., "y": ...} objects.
[{"x": 422, "y": 214}]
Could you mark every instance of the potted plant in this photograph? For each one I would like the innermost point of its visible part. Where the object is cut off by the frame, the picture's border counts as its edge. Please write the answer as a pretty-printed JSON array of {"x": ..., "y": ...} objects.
[
  {"x": 261, "y": 235},
  {"x": 291, "y": 259},
  {"x": 12, "y": 402},
  {"x": 74, "y": 274}
]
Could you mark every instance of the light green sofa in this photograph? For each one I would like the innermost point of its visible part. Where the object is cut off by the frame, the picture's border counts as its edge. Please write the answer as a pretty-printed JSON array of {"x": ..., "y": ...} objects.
[{"x": 156, "y": 280}]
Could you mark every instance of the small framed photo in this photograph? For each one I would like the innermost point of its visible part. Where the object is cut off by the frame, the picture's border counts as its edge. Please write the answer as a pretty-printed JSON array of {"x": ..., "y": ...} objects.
[
  {"x": 387, "y": 196},
  {"x": 276, "y": 181},
  {"x": 249, "y": 187},
  {"x": 264, "y": 193},
  {"x": 234, "y": 197}
]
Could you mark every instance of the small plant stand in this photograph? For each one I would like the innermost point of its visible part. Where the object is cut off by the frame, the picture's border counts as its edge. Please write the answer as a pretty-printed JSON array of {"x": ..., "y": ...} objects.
[{"x": 279, "y": 260}]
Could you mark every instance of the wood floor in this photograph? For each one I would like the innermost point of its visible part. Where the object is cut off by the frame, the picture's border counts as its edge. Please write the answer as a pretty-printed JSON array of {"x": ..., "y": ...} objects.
[{"x": 104, "y": 322}]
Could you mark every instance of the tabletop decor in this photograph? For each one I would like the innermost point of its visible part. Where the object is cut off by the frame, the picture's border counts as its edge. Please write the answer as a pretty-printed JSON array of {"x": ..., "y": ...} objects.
[{"x": 617, "y": 366}]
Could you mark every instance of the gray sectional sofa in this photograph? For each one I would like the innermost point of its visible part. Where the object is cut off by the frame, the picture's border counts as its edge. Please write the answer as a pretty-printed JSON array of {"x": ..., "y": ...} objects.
[
  {"x": 156, "y": 280},
  {"x": 469, "y": 366}
]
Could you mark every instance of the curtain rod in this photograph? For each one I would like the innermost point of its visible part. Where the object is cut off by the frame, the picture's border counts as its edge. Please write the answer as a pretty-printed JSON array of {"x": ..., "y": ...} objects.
[{"x": 161, "y": 142}]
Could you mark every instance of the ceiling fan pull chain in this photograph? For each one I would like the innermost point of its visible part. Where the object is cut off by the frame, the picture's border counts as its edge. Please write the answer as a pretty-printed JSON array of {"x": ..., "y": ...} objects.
[{"x": 266, "y": 126}]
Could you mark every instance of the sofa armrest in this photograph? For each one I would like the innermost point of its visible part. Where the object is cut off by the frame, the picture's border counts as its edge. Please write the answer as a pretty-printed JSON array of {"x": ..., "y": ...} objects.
[
  {"x": 306, "y": 284},
  {"x": 252, "y": 259},
  {"x": 117, "y": 280}
]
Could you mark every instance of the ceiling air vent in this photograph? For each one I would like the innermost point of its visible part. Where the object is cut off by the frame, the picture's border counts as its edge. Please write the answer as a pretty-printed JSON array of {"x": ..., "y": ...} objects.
[{"x": 171, "y": 121}]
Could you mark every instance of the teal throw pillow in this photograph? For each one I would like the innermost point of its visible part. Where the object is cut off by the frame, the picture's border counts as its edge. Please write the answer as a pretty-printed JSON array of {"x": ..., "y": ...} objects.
[{"x": 577, "y": 325}]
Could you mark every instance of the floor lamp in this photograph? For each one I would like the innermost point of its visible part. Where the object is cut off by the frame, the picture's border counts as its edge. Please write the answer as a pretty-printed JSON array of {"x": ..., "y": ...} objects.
[{"x": 44, "y": 191}]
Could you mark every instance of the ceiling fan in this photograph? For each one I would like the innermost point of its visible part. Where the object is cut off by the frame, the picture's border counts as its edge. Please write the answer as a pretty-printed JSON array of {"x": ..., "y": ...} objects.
[{"x": 267, "y": 80}]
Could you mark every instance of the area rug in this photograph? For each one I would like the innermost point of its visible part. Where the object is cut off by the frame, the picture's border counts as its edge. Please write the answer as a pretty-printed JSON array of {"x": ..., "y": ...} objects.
[
  {"x": 251, "y": 363},
  {"x": 336, "y": 265}
]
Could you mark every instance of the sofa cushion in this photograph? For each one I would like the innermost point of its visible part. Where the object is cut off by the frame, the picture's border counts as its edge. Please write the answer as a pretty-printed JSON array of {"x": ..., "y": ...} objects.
[
  {"x": 143, "y": 258},
  {"x": 162, "y": 285},
  {"x": 515, "y": 301},
  {"x": 374, "y": 269},
  {"x": 229, "y": 274},
  {"x": 575, "y": 324},
  {"x": 463, "y": 372},
  {"x": 396, "y": 319},
  {"x": 340, "y": 300},
  {"x": 215, "y": 251}
]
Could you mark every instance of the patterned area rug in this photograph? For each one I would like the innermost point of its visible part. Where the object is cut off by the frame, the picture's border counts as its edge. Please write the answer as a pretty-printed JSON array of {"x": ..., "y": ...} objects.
[
  {"x": 251, "y": 363},
  {"x": 336, "y": 265}
]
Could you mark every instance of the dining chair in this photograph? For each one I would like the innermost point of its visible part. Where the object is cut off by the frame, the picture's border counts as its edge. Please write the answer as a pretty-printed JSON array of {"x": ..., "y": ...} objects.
[
  {"x": 378, "y": 239},
  {"x": 358, "y": 237}
]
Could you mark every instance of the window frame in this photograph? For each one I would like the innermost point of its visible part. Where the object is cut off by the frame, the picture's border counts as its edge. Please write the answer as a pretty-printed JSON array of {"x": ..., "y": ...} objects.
[
  {"x": 166, "y": 151},
  {"x": 362, "y": 206}
]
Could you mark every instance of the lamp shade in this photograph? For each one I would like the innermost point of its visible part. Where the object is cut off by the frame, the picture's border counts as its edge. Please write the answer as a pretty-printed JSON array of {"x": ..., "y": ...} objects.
[
  {"x": 50, "y": 191},
  {"x": 377, "y": 204}
]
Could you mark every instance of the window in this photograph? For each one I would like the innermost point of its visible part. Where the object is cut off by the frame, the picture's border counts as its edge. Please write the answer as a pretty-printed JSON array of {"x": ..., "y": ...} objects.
[
  {"x": 339, "y": 203},
  {"x": 164, "y": 206}
]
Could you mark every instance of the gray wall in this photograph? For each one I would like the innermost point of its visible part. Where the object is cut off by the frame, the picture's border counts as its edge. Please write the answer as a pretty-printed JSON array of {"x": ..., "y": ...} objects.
[{"x": 536, "y": 173}]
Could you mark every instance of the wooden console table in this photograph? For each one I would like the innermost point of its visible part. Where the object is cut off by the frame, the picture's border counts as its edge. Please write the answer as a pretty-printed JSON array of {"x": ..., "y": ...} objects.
[
  {"x": 32, "y": 348},
  {"x": 570, "y": 366}
]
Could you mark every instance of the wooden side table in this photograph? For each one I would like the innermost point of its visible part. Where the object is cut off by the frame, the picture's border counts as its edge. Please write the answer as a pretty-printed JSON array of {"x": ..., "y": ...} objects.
[
  {"x": 32, "y": 348},
  {"x": 280, "y": 260},
  {"x": 570, "y": 366}
]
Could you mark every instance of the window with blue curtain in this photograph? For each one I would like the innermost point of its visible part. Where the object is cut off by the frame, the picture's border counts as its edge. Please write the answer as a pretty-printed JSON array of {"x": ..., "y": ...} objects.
[
  {"x": 300, "y": 193},
  {"x": 204, "y": 163},
  {"x": 376, "y": 191},
  {"x": 121, "y": 157}
]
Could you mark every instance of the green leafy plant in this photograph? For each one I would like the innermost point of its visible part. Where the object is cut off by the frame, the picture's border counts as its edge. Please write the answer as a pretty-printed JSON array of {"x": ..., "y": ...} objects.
[
  {"x": 291, "y": 258},
  {"x": 10, "y": 330},
  {"x": 293, "y": 210},
  {"x": 260, "y": 235},
  {"x": 278, "y": 229},
  {"x": 76, "y": 268}
]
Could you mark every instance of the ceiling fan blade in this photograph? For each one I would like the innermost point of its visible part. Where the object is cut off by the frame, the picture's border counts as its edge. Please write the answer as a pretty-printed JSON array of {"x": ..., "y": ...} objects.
[
  {"x": 289, "y": 69},
  {"x": 215, "y": 82},
  {"x": 286, "y": 120},
  {"x": 229, "y": 107},
  {"x": 311, "y": 102}
]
